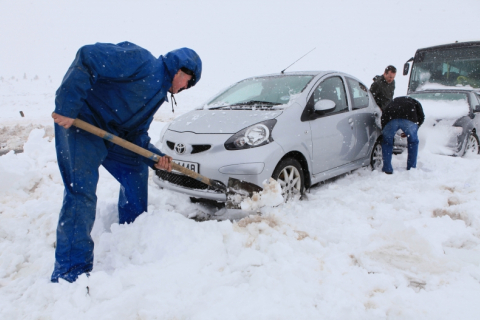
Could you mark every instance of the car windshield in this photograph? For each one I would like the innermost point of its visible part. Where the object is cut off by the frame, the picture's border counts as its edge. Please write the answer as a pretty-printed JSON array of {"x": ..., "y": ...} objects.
[
  {"x": 451, "y": 67},
  {"x": 260, "y": 93}
]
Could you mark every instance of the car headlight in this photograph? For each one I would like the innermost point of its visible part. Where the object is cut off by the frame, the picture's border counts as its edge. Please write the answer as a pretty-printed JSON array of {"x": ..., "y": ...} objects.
[{"x": 254, "y": 136}]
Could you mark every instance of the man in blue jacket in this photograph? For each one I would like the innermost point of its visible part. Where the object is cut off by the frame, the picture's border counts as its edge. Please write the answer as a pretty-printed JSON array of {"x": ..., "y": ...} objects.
[{"x": 117, "y": 88}]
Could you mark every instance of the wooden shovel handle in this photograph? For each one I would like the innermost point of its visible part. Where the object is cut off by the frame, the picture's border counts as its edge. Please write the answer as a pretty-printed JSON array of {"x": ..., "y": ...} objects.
[{"x": 138, "y": 150}]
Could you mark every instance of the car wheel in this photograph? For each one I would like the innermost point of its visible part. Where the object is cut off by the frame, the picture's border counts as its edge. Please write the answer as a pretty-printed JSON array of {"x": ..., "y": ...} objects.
[
  {"x": 376, "y": 159},
  {"x": 473, "y": 146},
  {"x": 289, "y": 174}
]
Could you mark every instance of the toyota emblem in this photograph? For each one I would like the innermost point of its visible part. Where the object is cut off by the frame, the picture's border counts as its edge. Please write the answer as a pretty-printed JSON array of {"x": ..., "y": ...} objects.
[{"x": 180, "y": 148}]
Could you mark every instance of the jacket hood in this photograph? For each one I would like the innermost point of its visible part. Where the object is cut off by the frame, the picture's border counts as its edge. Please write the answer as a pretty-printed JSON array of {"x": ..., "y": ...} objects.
[{"x": 183, "y": 57}]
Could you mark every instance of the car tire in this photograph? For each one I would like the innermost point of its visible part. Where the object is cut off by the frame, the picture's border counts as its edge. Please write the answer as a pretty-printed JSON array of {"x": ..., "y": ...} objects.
[
  {"x": 289, "y": 174},
  {"x": 376, "y": 158},
  {"x": 472, "y": 145}
]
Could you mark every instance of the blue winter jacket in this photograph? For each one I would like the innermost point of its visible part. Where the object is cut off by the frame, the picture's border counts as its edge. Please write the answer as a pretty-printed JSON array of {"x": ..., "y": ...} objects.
[{"x": 119, "y": 87}]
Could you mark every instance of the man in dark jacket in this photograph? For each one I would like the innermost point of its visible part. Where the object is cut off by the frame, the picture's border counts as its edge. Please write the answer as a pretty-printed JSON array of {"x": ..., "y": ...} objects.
[
  {"x": 403, "y": 113},
  {"x": 117, "y": 88},
  {"x": 383, "y": 87}
]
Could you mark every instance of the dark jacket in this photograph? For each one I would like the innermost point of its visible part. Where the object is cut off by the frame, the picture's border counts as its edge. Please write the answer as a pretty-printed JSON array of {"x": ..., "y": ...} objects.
[
  {"x": 382, "y": 91},
  {"x": 119, "y": 87},
  {"x": 403, "y": 108}
]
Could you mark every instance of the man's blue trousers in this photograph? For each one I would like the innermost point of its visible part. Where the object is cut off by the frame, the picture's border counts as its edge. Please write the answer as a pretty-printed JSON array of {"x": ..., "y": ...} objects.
[
  {"x": 411, "y": 130},
  {"x": 79, "y": 156}
]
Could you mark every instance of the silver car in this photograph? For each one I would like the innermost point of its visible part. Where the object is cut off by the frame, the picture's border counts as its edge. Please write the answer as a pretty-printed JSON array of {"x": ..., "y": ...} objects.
[{"x": 300, "y": 128}]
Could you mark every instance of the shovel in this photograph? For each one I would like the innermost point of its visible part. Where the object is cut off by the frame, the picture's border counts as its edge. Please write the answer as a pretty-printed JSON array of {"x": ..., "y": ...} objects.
[{"x": 236, "y": 191}]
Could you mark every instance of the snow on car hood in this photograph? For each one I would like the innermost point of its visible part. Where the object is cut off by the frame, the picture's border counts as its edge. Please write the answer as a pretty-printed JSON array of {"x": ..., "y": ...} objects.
[
  {"x": 437, "y": 134},
  {"x": 444, "y": 109},
  {"x": 220, "y": 121},
  {"x": 438, "y": 86}
]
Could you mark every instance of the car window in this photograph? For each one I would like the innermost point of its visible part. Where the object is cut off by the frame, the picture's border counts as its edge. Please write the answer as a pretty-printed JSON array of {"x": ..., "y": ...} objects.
[
  {"x": 332, "y": 89},
  {"x": 359, "y": 94}
]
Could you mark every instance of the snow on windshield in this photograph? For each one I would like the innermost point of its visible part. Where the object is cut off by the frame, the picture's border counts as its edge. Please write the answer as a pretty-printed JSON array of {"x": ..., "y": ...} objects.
[
  {"x": 447, "y": 66},
  {"x": 261, "y": 93}
]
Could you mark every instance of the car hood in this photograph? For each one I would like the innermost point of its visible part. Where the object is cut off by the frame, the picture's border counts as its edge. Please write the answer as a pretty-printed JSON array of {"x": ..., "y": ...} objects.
[{"x": 220, "y": 121}]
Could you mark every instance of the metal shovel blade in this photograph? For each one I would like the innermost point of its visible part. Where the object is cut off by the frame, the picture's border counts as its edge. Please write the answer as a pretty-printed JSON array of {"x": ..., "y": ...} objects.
[{"x": 238, "y": 190}]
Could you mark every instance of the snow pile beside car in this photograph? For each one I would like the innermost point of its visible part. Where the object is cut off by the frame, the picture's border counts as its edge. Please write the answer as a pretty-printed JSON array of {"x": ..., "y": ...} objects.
[{"x": 270, "y": 196}]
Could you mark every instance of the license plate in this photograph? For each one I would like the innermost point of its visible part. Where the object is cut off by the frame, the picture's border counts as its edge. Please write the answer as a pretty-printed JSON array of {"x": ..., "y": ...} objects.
[{"x": 189, "y": 165}]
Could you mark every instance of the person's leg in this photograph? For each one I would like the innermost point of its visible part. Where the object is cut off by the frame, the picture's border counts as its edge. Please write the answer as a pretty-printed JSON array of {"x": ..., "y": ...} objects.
[
  {"x": 388, "y": 135},
  {"x": 411, "y": 130},
  {"x": 132, "y": 173},
  {"x": 79, "y": 155}
]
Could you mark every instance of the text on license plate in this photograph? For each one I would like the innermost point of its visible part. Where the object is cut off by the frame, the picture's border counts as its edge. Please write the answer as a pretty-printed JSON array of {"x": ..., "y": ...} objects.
[{"x": 189, "y": 165}]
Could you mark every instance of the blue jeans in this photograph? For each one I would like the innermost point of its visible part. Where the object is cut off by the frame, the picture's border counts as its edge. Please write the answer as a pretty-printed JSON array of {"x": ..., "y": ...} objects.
[
  {"x": 79, "y": 156},
  {"x": 410, "y": 129}
]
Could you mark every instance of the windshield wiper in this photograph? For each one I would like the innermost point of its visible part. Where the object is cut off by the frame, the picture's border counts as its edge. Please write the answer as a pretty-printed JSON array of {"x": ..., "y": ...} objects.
[
  {"x": 254, "y": 102},
  {"x": 247, "y": 103}
]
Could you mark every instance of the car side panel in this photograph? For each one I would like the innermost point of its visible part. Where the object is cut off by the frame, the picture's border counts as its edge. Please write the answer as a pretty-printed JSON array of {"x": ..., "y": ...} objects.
[
  {"x": 333, "y": 141},
  {"x": 292, "y": 134},
  {"x": 366, "y": 132}
]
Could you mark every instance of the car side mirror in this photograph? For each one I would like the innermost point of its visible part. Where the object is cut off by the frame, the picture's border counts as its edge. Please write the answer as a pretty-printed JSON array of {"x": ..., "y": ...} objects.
[{"x": 325, "y": 105}]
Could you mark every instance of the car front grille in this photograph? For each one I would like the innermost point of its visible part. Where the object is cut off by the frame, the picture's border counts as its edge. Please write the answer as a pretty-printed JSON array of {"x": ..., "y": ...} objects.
[
  {"x": 196, "y": 148},
  {"x": 183, "y": 181}
]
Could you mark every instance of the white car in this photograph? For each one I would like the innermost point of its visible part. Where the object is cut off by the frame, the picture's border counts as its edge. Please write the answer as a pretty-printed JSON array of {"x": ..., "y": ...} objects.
[{"x": 300, "y": 128}]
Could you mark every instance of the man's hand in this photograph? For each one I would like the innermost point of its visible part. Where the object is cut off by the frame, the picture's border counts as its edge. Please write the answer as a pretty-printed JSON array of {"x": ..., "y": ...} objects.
[
  {"x": 65, "y": 122},
  {"x": 165, "y": 163}
]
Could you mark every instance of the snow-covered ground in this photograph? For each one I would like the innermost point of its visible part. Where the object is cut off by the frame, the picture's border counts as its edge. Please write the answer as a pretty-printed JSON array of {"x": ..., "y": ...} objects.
[{"x": 363, "y": 246}]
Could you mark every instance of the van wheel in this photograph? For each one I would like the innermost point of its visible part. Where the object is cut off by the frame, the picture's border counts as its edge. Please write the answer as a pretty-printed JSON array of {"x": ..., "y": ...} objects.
[
  {"x": 376, "y": 159},
  {"x": 289, "y": 174}
]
